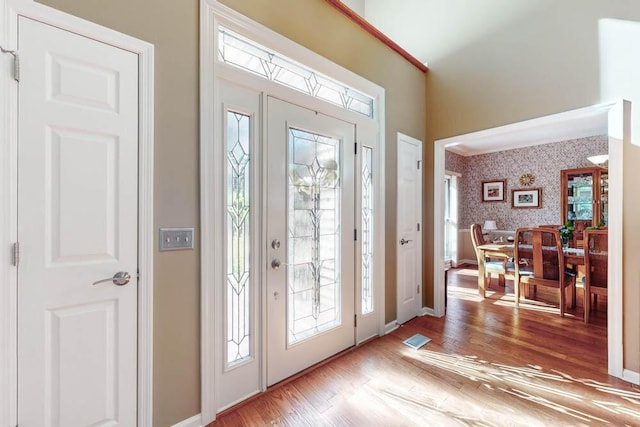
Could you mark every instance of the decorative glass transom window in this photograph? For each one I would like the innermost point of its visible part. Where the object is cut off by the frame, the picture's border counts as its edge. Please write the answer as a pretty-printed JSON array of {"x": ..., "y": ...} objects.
[{"x": 248, "y": 55}]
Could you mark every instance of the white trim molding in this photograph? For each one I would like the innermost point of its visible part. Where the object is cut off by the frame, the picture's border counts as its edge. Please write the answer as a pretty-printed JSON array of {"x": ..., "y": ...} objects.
[
  {"x": 631, "y": 376},
  {"x": 195, "y": 421},
  {"x": 427, "y": 311},
  {"x": 10, "y": 10},
  {"x": 207, "y": 206},
  {"x": 619, "y": 134},
  {"x": 390, "y": 327},
  {"x": 212, "y": 73},
  {"x": 619, "y": 119}
]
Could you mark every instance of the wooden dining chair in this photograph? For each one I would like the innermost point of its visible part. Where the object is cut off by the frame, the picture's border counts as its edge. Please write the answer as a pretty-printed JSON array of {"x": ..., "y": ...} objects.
[
  {"x": 596, "y": 267},
  {"x": 549, "y": 237},
  {"x": 497, "y": 263},
  {"x": 539, "y": 261}
]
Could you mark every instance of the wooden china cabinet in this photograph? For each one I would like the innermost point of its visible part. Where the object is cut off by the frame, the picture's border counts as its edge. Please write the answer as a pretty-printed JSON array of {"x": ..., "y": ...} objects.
[{"x": 585, "y": 198}]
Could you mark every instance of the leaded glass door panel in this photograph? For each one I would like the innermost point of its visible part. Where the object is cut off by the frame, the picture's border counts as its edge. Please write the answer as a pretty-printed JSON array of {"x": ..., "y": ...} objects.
[
  {"x": 238, "y": 287},
  {"x": 310, "y": 242}
]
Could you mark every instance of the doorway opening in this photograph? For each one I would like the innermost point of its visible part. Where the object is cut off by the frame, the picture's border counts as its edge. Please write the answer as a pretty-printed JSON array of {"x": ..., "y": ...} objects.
[{"x": 609, "y": 119}]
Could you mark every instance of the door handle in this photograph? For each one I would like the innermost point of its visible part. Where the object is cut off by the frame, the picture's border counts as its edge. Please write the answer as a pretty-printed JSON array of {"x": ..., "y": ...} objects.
[
  {"x": 276, "y": 263},
  {"x": 403, "y": 241},
  {"x": 121, "y": 278}
]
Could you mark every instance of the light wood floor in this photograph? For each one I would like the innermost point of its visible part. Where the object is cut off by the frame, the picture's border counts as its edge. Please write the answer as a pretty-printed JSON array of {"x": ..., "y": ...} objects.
[{"x": 487, "y": 365}]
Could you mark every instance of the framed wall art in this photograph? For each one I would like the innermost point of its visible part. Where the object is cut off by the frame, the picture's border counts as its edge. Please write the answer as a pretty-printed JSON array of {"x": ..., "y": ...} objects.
[
  {"x": 494, "y": 191},
  {"x": 526, "y": 198}
]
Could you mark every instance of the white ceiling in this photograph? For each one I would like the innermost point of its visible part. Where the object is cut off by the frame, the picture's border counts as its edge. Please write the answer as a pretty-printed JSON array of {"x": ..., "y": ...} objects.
[{"x": 573, "y": 124}]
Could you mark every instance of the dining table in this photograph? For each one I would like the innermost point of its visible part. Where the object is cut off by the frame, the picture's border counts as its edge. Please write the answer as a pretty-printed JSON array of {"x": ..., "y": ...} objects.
[{"x": 574, "y": 256}]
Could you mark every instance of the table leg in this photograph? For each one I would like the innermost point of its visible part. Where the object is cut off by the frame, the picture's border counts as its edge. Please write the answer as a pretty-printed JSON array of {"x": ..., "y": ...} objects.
[{"x": 481, "y": 277}]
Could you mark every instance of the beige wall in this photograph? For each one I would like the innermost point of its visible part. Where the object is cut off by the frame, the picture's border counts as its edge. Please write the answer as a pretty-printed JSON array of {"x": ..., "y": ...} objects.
[
  {"x": 545, "y": 62},
  {"x": 172, "y": 26}
]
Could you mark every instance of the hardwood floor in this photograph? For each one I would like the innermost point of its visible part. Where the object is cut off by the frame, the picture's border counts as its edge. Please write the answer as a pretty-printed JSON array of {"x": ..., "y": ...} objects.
[{"x": 487, "y": 365}]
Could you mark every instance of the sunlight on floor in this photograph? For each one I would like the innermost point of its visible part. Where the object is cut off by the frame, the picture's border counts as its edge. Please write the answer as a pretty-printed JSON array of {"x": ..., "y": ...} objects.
[
  {"x": 500, "y": 299},
  {"x": 467, "y": 272},
  {"x": 534, "y": 385}
]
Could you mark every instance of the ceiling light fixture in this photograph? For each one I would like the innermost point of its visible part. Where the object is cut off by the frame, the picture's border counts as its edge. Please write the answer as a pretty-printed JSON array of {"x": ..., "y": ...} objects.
[{"x": 599, "y": 160}]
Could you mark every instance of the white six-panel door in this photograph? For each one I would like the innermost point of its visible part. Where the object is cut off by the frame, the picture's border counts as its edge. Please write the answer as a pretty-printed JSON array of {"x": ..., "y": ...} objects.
[
  {"x": 77, "y": 224},
  {"x": 409, "y": 237}
]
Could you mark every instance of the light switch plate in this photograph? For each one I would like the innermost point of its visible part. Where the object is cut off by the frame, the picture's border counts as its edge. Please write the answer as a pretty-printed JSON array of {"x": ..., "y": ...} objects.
[{"x": 172, "y": 239}]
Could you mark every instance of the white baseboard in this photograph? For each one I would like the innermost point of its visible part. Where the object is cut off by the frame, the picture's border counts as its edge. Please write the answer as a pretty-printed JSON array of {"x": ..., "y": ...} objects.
[
  {"x": 468, "y": 261},
  {"x": 632, "y": 377},
  {"x": 427, "y": 311},
  {"x": 195, "y": 421},
  {"x": 390, "y": 327}
]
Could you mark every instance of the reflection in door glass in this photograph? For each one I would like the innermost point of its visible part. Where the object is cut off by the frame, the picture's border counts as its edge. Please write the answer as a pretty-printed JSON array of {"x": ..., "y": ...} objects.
[
  {"x": 238, "y": 238},
  {"x": 313, "y": 303},
  {"x": 367, "y": 230},
  {"x": 580, "y": 197}
]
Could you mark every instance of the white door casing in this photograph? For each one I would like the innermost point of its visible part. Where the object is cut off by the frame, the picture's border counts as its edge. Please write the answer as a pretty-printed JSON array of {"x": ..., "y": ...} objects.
[
  {"x": 370, "y": 131},
  {"x": 77, "y": 224},
  {"x": 409, "y": 222},
  {"x": 142, "y": 132},
  {"x": 301, "y": 174}
]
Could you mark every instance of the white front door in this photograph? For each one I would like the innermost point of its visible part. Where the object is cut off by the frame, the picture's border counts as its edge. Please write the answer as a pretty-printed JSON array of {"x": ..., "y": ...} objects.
[
  {"x": 310, "y": 238},
  {"x": 409, "y": 244},
  {"x": 77, "y": 224}
]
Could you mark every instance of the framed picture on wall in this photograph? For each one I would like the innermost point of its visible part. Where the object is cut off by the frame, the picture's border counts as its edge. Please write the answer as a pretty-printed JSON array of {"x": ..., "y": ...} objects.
[
  {"x": 526, "y": 198},
  {"x": 494, "y": 191}
]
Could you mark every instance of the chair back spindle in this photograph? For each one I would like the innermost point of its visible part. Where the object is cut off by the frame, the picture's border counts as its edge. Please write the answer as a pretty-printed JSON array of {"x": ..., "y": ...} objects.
[{"x": 596, "y": 263}]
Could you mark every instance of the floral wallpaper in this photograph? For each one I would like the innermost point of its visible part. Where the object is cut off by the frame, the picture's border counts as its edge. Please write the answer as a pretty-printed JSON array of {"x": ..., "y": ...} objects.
[
  {"x": 455, "y": 162},
  {"x": 543, "y": 161}
]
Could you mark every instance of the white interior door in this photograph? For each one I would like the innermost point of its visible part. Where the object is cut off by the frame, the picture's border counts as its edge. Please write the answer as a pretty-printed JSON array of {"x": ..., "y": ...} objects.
[
  {"x": 310, "y": 232},
  {"x": 409, "y": 244},
  {"x": 77, "y": 224}
]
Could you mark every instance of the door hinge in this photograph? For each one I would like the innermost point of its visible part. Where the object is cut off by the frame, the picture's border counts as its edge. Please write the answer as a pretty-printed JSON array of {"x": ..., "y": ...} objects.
[
  {"x": 16, "y": 62},
  {"x": 417, "y": 289},
  {"x": 418, "y": 226},
  {"x": 16, "y": 254},
  {"x": 355, "y": 320},
  {"x": 356, "y": 152},
  {"x": 355, "y": 234},
  {"x": 419, "y": 163},
  {"x": 138, "y": 275}
]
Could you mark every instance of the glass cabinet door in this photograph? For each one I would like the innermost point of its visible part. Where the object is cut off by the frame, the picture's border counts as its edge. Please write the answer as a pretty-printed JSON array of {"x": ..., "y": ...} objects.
[
  {"x": 585, "y": 197},
  {"x": 604, "y": 199},
  {"x": 580, "y": 197}
]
